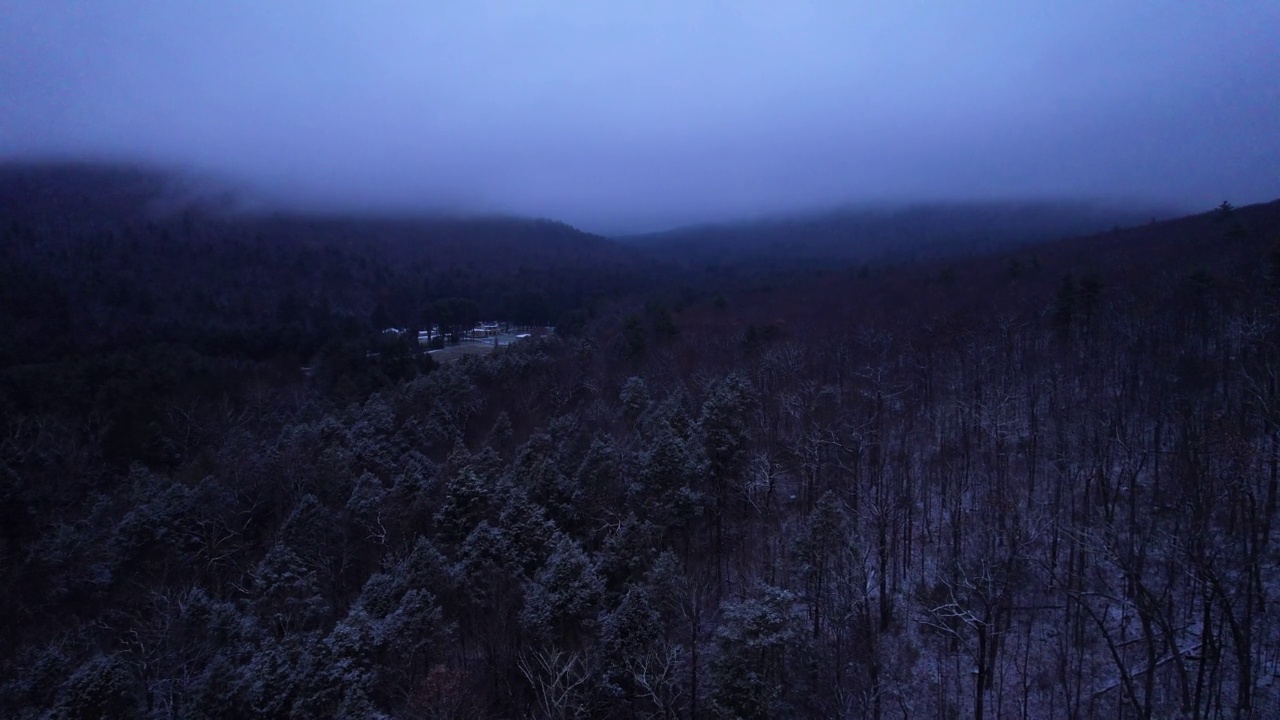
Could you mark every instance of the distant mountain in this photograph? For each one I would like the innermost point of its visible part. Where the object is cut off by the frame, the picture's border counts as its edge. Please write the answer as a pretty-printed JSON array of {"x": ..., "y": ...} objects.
[
  {"x": 889, "y": 233},
  {"x": 97, "y": 256},
  {"x": 1218, "y": 248},
  {"x": 83, "y": 192}
]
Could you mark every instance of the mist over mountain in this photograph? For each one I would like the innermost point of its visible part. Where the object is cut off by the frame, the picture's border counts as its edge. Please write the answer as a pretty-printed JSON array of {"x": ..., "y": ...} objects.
[
  {"x": 111, "y": 193},
  {"x": 646, "y": 116}
]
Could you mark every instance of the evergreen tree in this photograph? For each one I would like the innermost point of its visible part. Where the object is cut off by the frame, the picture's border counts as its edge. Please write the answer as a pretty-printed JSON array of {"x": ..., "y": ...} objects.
[
  {"x": 561, "y": 602},
  {"x": 757, "y": 644}
]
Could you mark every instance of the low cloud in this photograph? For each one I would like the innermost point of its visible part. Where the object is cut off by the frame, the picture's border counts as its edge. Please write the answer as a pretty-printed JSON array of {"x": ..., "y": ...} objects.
[{"x": 634, "y": 116}]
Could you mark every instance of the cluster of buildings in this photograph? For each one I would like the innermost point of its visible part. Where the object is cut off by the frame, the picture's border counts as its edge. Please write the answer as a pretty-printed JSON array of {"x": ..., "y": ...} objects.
[{"x": 500, "y": 333}]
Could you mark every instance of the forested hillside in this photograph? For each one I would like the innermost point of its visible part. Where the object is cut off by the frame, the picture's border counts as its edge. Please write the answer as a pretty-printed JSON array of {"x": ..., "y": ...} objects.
[
  {"x": 1034, "y": 484},
  {"x": 101, "y": 258},
  {"x": 888, "y": 233}
]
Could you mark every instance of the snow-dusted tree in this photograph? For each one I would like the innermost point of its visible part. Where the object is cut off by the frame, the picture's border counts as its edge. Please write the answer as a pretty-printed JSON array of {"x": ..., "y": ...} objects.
[
  {"x": 641, "y": 667},
  {"x": 634, "y": 398},
  {"x": 758, "y": 656},
  {"x": 560, "y": 604}
]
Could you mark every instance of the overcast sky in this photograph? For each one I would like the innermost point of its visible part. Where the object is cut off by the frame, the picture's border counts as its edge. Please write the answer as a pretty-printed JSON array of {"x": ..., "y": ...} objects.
[{"x": 619, "y": 115}]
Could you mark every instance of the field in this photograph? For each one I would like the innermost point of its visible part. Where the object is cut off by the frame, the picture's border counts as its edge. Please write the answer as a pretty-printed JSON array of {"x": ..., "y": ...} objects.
[{"x": 472, "y": 347}]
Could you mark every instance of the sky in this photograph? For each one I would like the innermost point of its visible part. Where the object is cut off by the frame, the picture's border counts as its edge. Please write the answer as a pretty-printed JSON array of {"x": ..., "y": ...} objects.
[{"x": 622, "y": 115}]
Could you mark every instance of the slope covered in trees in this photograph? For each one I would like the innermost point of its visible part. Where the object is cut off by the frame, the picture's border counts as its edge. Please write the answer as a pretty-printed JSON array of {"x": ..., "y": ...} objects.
[
  {"x": 888, "y": 233},
  {"x": 1040, "y": 483},
  {"x": 97, "y": 258}
]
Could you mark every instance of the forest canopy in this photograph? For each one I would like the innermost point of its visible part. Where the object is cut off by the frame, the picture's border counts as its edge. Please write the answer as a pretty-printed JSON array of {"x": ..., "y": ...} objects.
[{"x": 1033, "y": 481}]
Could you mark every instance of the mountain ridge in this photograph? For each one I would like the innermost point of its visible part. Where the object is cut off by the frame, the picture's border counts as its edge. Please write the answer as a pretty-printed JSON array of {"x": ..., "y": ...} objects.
[{"x": 894, "y": 232}]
